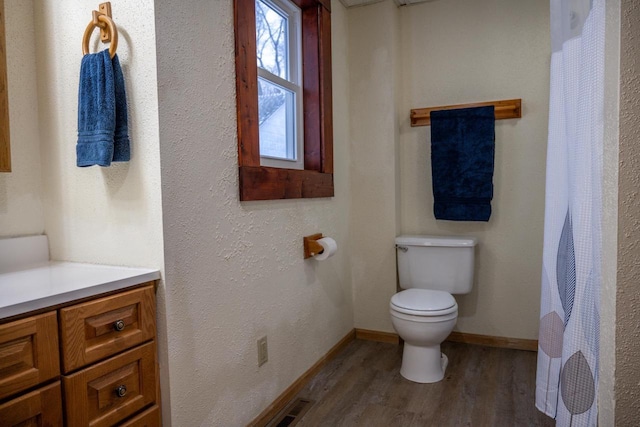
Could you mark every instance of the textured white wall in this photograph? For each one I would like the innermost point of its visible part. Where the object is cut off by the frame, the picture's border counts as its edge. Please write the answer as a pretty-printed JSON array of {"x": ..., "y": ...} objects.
[
  {"x": 101, "y": 215},
  {"x": 235, "y": 271},
  {"x": 627, "y": 374},
  {"x": 20, "y": 191},
  {"x": 459, "y": 51},
  {"x": 373, "y": 72}
]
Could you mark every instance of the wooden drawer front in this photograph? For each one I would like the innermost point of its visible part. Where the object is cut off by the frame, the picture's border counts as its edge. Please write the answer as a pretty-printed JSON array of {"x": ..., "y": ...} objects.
[
  {"x": 42, "y": 407},
  {"x": 149, "y": 418},
  {"x": 28, "y": 353},
  {"x": 91, "y": 395},
  {"x": 90, "y": 330}
]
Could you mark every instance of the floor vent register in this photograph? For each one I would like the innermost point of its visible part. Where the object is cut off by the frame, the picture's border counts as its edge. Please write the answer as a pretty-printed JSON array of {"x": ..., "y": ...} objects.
[{"x": 292, "y": 413}]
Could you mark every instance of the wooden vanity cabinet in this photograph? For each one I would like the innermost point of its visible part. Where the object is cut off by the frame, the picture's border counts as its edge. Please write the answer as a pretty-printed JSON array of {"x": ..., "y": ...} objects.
[
  {"x": 103, "y": 366},
  {"x": 149, "y": 418},
  {"x": 41, "y": 407},
  {"x": 100, "y": 328},
  {"x": 28, "y": 353},
  {"x": 110, "y": 391}
]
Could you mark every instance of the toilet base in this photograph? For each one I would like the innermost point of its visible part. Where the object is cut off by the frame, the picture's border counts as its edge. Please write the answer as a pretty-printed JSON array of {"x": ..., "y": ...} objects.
[{"x": 423, "y": 364}]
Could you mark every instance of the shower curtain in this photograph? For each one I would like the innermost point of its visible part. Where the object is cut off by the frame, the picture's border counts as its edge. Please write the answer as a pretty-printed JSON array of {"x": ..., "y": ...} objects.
[{"x": 567, "y": 374}]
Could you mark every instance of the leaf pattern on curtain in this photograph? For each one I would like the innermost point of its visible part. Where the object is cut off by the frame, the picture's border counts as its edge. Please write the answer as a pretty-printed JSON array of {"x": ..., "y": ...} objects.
[
  {"x": 591, "y": 323},
  {"x": 551, "y": 339},
  {"x": 566, "y": 268},
  {"x": 551, "y": 334},
  {"x": 577, "y": 385}
]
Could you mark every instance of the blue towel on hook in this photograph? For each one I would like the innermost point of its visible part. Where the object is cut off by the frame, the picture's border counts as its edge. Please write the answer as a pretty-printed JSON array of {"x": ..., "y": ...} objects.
[
  {"x": 462, "y": 160},
  {"x": 102, "y": 112},
  {"x": 121, "y": 150}
]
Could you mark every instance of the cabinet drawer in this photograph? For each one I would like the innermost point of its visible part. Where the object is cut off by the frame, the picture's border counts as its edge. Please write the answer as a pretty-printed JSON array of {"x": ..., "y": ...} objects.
[
  {"x": 149, "y": 418},
  {"x": 98, "y": 329},
  {"x": 112, "y": 390},
  {"x": 28, "y": 353},
  {"x": 42, "y": 407}
]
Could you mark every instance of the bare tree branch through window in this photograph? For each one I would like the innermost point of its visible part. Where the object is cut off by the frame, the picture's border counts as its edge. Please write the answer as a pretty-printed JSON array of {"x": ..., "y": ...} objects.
[{"x": 271, "y": 51}]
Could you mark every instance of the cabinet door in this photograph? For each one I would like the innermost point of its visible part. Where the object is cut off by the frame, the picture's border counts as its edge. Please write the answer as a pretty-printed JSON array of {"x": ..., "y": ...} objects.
[
  {"x": 149, "y": 418},
  {"x": 111, "y": 391},
  {"x": 97, "y": 329},
  {"x": 28, "y": 353},
  {"x": 42, "y": 407}
]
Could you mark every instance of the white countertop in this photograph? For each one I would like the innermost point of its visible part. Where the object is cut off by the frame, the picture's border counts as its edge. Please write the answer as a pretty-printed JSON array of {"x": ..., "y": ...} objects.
[{"x": 53, "y": 283}]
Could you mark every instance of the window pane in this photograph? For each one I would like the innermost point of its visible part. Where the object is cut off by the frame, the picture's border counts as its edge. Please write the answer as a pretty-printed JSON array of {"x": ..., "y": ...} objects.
[
  {"x": 276, "y": 115},
  {"x": 272, "y": 40}
]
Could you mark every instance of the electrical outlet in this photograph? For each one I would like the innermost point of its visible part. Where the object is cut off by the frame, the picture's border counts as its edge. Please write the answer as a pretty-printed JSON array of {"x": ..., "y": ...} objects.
[{"x": 263, "y": 352}]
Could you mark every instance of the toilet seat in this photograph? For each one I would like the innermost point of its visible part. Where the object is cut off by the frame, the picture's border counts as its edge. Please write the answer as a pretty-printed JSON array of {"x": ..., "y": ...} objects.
[{"x": 423, "y": 302}]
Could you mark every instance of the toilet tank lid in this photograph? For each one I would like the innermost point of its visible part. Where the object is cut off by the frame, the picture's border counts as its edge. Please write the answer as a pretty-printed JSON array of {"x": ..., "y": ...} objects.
[{"x": 447, "y": 241}]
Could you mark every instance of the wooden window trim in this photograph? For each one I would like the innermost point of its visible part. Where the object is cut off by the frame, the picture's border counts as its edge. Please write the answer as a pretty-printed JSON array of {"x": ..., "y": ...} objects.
[
  {"x": 5, "y": 152},
  {"x": 268, "y": 183}
]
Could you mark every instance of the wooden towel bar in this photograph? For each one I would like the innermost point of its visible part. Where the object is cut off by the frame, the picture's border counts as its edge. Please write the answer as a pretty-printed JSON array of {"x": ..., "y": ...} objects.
[{"x": 507, "y": 109}]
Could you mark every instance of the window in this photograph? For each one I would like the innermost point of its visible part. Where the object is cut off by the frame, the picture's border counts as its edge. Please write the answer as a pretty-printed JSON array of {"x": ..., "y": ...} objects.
[
  {"x": 283, "y": 89},
  {"x": 278, "y": 51}
]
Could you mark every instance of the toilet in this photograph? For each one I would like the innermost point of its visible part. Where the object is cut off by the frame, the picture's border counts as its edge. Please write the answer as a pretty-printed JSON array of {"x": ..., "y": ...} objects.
[{"x": 430, "y": 269}]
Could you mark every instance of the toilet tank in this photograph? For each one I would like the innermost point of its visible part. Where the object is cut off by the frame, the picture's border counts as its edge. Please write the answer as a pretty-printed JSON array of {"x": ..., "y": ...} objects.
[{"x": 443, "y": 263}]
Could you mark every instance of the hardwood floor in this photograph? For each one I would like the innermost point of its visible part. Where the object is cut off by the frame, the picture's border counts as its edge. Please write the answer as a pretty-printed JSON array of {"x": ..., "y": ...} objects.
[{"x": 483, "y": 386}]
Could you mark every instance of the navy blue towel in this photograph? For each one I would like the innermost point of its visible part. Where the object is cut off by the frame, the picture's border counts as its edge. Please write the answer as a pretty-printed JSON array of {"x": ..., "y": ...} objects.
[
  {"x": 121, "y": 150},
  {"x": 102, "y": 112},
  {"x": 462, "y": 158}
]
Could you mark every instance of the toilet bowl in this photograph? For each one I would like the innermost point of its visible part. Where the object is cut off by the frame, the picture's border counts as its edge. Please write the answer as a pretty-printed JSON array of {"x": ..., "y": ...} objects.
[{"x": 423, "y": 318}]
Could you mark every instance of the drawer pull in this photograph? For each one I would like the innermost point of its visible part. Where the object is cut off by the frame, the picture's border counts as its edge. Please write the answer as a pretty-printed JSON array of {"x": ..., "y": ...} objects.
[
  {"x": 121, "y": 391},
  {"x": 118, "y": 325}
]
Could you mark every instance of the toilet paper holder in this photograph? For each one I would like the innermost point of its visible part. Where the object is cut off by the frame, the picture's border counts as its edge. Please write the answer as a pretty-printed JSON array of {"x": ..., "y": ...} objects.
[{"x": 311, "y": 246}]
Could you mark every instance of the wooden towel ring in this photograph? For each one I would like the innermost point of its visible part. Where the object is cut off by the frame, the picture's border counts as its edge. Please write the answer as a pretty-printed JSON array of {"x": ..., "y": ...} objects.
[{"x": 106, "y": 22}]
